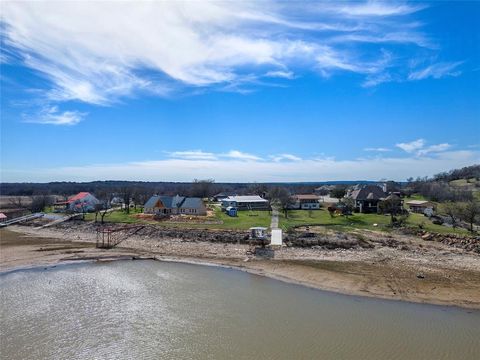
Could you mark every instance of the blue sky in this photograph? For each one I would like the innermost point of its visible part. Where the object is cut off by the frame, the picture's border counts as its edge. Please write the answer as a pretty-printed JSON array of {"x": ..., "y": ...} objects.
[{"x": 251, "y": 91}]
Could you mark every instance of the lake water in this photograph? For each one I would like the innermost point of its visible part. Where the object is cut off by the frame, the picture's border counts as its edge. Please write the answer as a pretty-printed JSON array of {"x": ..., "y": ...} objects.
[{"x": 155, "y": 310}]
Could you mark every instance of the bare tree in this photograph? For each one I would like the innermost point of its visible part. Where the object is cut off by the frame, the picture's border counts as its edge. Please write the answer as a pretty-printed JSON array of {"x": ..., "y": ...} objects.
[
  {"x": 391, "y": 205},
  {"x": 126, "y": 194},
  {"x": 140, "y": 196},
  {"x": 281, "y": 197},
  {"x": 40, "y": 202},
  {"x": 470, "y": 213},
  {"x": 102, "y": 208},
  {"x": 258, "y": 189},
  {"x": 452, "y": 210},
  {"x": 348, "y": 206},
  {"x": 202, "y": 188},
  {"x": 16, "y": 202}
]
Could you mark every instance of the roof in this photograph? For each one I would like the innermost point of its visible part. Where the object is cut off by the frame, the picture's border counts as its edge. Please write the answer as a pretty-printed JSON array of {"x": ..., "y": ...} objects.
[
  {"x": 417, "y": 202},
  {"x": 167, "y": 201},
  {"x": 151, "y": 202},
  {"x": 245, "y": 198},
  {"x": 79, "y": 196},
  {"x": 176, "y": 201},
  {"x": 192, "y": 203},
  {"x": 392, "y": 197},
  {"x": 368, "y": 192},
  {"x": 3, "y": 216},
  {"x": 306, "y": 197}
]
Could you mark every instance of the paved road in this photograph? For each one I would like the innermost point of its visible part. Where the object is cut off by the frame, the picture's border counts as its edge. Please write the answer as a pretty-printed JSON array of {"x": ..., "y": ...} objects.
[{"x": 274, "y": 223}]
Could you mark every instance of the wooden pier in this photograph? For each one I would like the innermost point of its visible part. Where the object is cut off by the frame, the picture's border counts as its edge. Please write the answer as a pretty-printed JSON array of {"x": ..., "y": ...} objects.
[{"x": 109, "y": 237}]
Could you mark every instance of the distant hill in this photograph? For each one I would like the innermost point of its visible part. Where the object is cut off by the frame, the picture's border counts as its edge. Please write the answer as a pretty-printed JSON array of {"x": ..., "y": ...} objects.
[
  {"x": 467, "y": 173},
  {"x": 455, "y": 185}
]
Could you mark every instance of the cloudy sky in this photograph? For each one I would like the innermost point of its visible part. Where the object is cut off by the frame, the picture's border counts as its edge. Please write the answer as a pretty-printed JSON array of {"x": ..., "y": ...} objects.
[{"x": 238, "y": 91}]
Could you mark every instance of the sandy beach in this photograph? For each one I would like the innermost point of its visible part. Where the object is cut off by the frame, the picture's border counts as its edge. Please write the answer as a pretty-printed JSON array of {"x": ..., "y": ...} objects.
[{"x": 410, "y": 270}]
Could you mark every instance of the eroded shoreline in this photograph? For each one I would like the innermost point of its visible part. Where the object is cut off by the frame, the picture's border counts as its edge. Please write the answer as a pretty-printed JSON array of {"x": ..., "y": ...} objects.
[{"x": 436, "y": 274}]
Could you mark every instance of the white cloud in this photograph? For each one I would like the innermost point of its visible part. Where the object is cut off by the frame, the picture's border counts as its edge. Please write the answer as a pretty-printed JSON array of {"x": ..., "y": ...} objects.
[
  {"x": 280, "y": 74},
  {"x": 232, "y": 154},
  {"x": 193, "y": 155},
  {"x": 436, "y": 71},
  {"x": 376, "y": 79},
  {"x": 53, "y": 116},
  {"x": 233, "y": 170},
  {"x": 388, "y": 37},
  {"x": 412, "y": 146},
  {"x": 288, "y": 157},
  {"x": 420, "y": 149},
  {"x": 434, "y": 149},
  {"x": 238, "y": 155},
  {"x": 378, "y": 149},
  {"x": 103, "y": 51},
  {"x": 378, "y": 8}
]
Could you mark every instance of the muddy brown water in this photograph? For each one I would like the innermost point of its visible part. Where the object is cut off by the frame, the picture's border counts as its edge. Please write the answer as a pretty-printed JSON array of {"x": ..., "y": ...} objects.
[{"x": 157, "y": 310}]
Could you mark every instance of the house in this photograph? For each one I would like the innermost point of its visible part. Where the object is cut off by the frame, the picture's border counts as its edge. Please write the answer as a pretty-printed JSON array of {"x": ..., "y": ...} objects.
[
  {"x": 219, "y": 197},
  {"x": 116, "y": 201},
  {"x": 246, "y": 202},
  {"x": 420, "y": 206},
  {"x": 305, "y": 202},
  {"x": 192, "y": 206},
  {"x": 82, "y": 202},
  {"x": 366, "y": 197},
  {"x": 3, "y": 217},
  {"x": 391, "y": 187},
  {"x": 174, "y": 205},
  {"x": 324, "y": 189}
]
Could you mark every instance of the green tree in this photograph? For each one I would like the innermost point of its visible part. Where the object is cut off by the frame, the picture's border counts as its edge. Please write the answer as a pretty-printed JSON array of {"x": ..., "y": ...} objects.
[{"x": 338, "y": 191}]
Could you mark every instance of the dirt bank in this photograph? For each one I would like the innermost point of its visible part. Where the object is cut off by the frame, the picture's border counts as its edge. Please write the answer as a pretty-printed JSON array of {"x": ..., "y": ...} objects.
[{"x": 390, "y": 266}]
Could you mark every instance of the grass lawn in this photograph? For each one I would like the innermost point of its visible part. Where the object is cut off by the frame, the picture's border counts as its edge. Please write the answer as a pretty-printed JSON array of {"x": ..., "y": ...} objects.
[
  {"x": 415, "y": 220},
  {"x": 247, "y": 219},
  {"x": 322, "y": 217},
  {"x": 118, "y": 216},
  {"x": 244, "y": 220},
  {"x": 413, "y": 197},
  {"x": 359, "y": 221}
]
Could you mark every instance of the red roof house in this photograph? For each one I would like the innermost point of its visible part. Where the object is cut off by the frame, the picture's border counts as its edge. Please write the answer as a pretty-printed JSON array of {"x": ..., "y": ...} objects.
[{"x": 82, "y": 202}]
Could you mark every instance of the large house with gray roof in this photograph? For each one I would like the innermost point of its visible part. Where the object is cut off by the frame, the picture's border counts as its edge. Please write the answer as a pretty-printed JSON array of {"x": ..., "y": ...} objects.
[
  {"x": 174, "y": 205},
  {"x": 366, "y": 197}
]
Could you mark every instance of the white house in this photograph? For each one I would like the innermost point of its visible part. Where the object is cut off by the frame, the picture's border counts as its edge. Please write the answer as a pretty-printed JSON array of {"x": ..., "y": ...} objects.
[
  {"x": 306, "y": 202},
  {"x": 246, "y": 202},
  {"x": 174, "y": 205}
]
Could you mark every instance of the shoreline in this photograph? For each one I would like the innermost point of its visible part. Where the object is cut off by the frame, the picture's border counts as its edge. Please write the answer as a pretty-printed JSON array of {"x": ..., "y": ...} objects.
[
  {"x": 200, "y": 262},
  {"x": 355, "y": 272}
]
